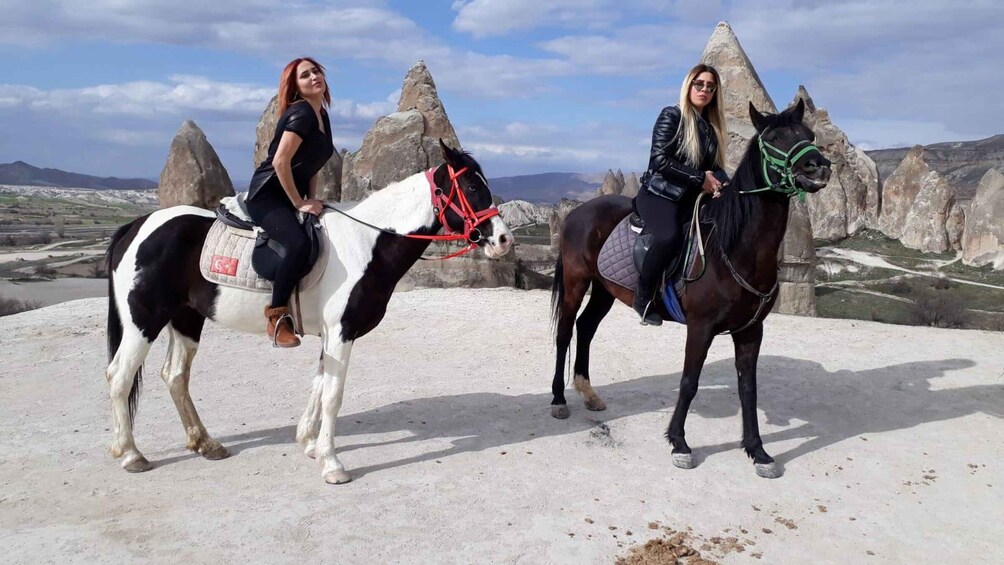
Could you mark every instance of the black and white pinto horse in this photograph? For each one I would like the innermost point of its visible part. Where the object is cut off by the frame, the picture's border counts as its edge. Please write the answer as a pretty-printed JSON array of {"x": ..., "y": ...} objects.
[{"x": 154, "y": 283}]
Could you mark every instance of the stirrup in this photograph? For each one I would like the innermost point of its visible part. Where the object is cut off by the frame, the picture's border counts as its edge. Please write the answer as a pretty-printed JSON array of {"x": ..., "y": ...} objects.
[
  {"x": 656, "y": 319},
  {"x": 275, "y": 334}
]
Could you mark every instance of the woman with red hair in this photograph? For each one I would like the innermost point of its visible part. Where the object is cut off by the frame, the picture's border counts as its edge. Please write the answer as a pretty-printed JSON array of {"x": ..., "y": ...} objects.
[{"x": 286, "y": 182}]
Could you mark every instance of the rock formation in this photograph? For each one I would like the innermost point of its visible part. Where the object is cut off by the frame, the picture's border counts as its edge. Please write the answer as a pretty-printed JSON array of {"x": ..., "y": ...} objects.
[
  {"x": 797, "y": 293},
  {"x": 917, "y": 203},
  {"x": 631, "y": 186},
  {"x": 556, "y": 220},
  {"x": 850, "y": 202},
  {"x": 402, "y": 143},
  {"x": 329, "y": 180},
  {"x": 741, "y": 84},
  {"x": 962, "y": 163},
  {"x": 193, "y": 174},
  {"x": 517, "y": 213},
  {"x": 613, "y": 183},
  {"x": 983, "y": 238}
]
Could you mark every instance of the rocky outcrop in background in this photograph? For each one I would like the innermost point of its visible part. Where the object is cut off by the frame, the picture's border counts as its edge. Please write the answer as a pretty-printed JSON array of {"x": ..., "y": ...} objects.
[
  {"x": 917, "y": 204},
  {"x": 556, "y": 220},
  {"x": 850, "y": 202},
  {"x": 517, "y": 213},
  {"x": 961, "y": 163},
  {"x": 193, "y": 174},
  {"x": 402, "y": 143},
  {"x": 983, "y": 237},
  {"x": 740, "y": 85},
  {"x": 631, "y": 186}
]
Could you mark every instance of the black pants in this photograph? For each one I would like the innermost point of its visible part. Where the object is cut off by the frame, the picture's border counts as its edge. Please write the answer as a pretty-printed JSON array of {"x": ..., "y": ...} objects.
[
  {"x": 275, "y": 213},
  {"x": 662, "y": 219}
]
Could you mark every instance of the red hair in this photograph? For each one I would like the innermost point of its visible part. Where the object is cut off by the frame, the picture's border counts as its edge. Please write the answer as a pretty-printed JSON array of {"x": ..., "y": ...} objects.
[{"x": 289, "y": 92}]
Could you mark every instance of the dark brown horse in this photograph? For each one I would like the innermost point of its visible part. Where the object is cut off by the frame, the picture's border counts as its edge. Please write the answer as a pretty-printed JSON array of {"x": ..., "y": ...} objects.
[{"x": 734, "y": 294}]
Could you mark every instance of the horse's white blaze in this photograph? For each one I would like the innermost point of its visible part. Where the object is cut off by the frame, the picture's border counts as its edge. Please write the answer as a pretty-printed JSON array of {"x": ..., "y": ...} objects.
[{"x": 501, "y": 239}]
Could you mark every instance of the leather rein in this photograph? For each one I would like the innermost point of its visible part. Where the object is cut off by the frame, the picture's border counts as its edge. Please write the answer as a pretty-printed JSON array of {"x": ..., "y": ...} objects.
[{"x": 457, "y": 201}]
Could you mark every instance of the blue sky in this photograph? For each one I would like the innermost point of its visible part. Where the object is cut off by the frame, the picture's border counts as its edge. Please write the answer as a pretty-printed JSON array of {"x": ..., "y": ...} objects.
[{"x": 101, "y": 86}]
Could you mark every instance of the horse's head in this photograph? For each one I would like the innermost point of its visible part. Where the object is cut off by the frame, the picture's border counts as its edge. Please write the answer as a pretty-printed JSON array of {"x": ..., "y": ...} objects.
[
  {"x": 490, "y": 234},
  {"x": 790, "y": 161}
]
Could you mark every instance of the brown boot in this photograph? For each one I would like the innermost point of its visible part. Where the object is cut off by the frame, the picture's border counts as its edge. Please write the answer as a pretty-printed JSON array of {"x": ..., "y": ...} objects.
[{"x": 280, "y": 327}]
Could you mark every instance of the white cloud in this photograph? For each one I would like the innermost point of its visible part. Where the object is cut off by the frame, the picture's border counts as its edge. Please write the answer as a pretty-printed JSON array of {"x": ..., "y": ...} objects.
[
  {"x": 518, "y": 147},
  {"x": 482, "y": 18},
  {"x": 272, "y": 28},
  {"x": 634, "y": 50}
]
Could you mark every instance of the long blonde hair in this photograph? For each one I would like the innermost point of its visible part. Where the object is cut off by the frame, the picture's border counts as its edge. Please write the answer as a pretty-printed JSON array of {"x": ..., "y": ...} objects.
[{"x": 690, "y": 146}]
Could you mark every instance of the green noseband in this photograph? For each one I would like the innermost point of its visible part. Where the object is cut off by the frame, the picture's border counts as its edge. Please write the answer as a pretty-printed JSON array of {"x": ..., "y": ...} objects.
[{"x": 781, "y": 162}]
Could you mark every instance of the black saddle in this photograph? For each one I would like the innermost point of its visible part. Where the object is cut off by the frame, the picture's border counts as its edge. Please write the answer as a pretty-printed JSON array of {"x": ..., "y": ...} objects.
[
  {"x": 643, "y": 242},
  {"x": 269, "y": 253}
]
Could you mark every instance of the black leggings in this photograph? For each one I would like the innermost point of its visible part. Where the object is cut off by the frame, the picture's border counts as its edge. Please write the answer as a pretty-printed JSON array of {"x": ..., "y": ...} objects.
[
  {"x": 662, "y": 220},
  {"x": 275, "y": 213}
]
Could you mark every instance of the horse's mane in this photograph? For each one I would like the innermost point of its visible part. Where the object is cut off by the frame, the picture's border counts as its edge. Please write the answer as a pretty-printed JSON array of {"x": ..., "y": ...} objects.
[{"x": 732, "y": 211}]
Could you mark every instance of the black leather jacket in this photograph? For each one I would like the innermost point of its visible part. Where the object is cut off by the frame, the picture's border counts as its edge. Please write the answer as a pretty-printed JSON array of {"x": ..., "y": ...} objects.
[{"x": 664, "y": 159}]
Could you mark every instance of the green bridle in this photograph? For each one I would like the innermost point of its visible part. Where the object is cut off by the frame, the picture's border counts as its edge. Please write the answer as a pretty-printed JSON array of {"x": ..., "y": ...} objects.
[{"x": 781, "y": 162}]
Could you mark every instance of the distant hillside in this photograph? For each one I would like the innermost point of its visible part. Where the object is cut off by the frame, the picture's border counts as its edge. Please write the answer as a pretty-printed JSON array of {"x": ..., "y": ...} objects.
[
  {"x": 962, "y": 163},
  {"x": 545, "y": 187},
  {"x": 20, "y": 173}
]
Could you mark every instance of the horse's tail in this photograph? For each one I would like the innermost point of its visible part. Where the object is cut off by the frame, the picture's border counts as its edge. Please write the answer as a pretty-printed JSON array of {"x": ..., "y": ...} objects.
[
  {"x": 115, "y": 321},
  {"x": 557, "y": 293}
]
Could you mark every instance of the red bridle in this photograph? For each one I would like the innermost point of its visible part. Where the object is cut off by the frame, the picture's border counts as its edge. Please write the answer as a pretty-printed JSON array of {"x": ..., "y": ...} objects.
[{"x": 456, "y": 201}]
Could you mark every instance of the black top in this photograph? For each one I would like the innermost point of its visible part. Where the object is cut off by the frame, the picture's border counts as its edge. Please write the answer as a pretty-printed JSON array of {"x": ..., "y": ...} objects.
[
  {"x": 665, "y": 155},
  {"x": 313, "y": 153}
]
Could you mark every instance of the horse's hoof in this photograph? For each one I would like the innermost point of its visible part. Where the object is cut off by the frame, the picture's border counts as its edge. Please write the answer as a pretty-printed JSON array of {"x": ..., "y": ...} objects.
[
  {"x": 560, "y": 411},
  {"x": 337, "y": 477},
  {"x": 768, "y": 470},
  {"x": 596, "y": 404},
  {"x": 683, "y": 460},
  {"x": 216, "y": 453},
  {"x": 138, "y": 465},
  {"x": 309, "y": 451}
]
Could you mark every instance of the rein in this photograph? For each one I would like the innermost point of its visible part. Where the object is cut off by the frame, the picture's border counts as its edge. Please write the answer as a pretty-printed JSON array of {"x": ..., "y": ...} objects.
[
  {"x": 441, "y": 203},
  {"x": 782, "y": 165}
]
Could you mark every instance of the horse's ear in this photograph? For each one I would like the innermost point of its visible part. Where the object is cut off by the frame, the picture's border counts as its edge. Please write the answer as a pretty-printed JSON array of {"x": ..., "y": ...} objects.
[
  {"x": 449, "y": 155},
  {"x": 759, "y": 122},
  {"x": 799, "y": 110}
]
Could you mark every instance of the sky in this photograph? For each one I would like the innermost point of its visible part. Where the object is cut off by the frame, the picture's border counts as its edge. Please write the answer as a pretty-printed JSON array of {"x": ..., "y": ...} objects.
[{"x": 101, "y": 86}]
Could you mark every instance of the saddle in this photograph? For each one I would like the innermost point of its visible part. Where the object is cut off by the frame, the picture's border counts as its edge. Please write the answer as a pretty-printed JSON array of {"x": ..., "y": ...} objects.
[
  {"x": 623, "y": 254},
  {"x": 239, "y": 254}
]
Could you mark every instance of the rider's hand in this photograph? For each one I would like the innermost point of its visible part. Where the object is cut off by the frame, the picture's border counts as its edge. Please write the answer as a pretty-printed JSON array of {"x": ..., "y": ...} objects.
[
  {"x": 711, "y": 184},
  {"x": 311, "y": 206}
]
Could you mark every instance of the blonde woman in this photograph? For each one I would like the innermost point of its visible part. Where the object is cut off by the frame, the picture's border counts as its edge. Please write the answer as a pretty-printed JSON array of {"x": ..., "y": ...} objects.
[{"x": 688, "y": 155}]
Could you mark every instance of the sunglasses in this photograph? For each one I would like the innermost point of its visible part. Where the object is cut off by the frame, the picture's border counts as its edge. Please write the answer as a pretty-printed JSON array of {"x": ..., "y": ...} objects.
[{"x": 700, "y": 85}]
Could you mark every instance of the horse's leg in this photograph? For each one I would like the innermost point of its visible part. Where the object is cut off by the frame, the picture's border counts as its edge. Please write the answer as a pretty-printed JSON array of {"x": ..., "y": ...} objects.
[
  {"x": 598, "y": 307},
  {"x": 747, "y": 345},
  {"x": 698, "y": 341},
  {"x": 310, "y": 422},
  {"x": 121, "y": 374},
  {"x": 184, "y": 331},
  {"x": 335, "y": 360},
  {"x": 574, "y": 291}
]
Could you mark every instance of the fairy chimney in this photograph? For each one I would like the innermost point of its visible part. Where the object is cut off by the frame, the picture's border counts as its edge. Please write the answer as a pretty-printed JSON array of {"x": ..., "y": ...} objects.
[
  {"x": 740, "y": 86},
  {"x": 193, "y": 174},
  {"x": 403, "y": 143}
]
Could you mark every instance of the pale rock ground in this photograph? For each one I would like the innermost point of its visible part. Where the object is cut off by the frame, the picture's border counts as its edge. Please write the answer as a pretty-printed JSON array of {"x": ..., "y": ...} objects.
[{"x": 890, "y": 438}]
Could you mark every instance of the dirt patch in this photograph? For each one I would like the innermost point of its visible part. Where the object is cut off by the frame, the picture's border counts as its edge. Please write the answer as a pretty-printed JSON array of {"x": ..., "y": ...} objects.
[
  {"x": 790, "y": 524},
  {"x": 672, "y": 549}
]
